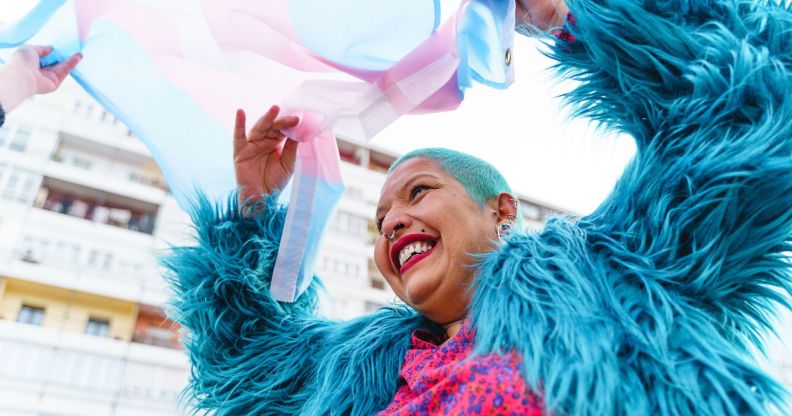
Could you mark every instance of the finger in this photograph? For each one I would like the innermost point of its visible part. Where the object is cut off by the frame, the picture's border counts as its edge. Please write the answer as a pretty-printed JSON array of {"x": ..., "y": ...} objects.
[
  {"x": 239, "y": 125},
  {"x": 42, "y": 51},
  {"x": 61, "y": 70},
  {"x": 285, "y": 122},
  {"x": 289, "y": 154},
  {"x": 264, "y": 124}
]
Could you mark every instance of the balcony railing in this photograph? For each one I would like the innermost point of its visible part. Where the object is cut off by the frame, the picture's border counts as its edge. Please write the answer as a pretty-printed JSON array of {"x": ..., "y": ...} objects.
[
  {"x": 75, "y": 206},
  {"x": 87, "y": 375}
]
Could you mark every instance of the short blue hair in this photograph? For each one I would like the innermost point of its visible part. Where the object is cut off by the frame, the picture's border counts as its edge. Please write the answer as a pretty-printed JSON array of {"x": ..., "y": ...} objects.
[{"x": 480, "y": 179}]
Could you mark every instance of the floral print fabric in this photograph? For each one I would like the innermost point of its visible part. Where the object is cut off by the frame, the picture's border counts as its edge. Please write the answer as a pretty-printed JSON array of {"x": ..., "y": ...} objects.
[{"x": 445, "y": 380}]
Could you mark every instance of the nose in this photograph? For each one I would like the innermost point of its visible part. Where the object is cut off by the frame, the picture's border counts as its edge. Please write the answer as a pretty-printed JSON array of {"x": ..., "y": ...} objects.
[{"x": 393, "y": 223}]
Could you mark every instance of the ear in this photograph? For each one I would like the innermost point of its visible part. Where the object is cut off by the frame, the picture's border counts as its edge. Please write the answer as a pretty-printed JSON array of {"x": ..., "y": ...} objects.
[{"x": 507, "y": 207}]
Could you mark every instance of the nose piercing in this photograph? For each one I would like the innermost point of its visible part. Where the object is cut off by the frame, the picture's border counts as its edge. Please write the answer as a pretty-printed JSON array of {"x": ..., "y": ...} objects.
[{"x": 391, "y": 235}]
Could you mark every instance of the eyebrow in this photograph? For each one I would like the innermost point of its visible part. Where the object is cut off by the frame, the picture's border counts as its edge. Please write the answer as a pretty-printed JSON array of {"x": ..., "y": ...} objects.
[{"x": 418, "y": 176}]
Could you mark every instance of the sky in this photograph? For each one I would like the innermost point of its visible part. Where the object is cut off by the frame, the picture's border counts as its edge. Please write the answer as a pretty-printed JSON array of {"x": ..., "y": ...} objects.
[{"x": 524, "y": 131}]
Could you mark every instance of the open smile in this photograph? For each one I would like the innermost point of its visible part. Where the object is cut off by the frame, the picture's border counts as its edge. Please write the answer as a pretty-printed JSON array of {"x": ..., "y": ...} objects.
[{"x": 411, "y": 249}]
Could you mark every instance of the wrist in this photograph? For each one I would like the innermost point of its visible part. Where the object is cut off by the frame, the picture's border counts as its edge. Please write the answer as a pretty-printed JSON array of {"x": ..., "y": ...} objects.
[{"x": 16, "y": 85}]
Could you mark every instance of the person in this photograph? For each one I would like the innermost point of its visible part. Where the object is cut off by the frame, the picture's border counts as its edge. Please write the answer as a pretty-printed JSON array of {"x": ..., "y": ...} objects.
[
  {"x": 652, "y": 304},
  {"x": 22, "y": 76}
]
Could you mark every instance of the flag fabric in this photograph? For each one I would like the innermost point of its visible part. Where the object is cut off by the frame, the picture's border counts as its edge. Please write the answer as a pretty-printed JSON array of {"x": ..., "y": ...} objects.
[{"x": 175, "y": 72}]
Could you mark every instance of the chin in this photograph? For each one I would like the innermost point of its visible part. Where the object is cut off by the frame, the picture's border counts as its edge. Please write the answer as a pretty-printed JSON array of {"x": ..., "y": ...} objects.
[{"x": 418, "y": 292}]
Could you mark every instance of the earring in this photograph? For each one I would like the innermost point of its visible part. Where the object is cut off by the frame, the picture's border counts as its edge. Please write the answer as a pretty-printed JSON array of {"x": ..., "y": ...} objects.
[{"x": 503, "y": 229}]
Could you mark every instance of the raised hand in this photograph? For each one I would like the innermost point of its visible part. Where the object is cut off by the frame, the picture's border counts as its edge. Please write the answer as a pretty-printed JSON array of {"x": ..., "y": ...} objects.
[
  {"x": 22, "y": 76},
  {"x": 264, "y": 157}
]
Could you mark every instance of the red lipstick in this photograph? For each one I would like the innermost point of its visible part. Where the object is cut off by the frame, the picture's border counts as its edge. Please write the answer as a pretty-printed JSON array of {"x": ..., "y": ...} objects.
[{"x": 397, "y": 247}]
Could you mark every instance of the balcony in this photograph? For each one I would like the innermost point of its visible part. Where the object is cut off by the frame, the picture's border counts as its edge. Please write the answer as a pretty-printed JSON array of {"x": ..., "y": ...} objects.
[
  {"x": 63, "y": 250},
  {"x": 153, "y": 328},
  {"x": 89, "y": 120},
  {"x": 57, "y": 372},
  {"x": 96, "y": 206}
]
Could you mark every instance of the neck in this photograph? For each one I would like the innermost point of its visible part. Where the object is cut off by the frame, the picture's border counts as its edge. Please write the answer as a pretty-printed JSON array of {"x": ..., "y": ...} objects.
[{"x": 452, "y": 328}]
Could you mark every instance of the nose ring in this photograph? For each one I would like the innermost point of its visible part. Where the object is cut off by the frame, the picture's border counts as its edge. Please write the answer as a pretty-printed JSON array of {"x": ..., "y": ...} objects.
[{"x": 391, "y": 235}]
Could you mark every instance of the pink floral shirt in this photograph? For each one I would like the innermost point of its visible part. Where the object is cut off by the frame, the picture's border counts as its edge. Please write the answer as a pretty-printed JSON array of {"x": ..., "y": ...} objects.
[{"x": 440, "y": 380}]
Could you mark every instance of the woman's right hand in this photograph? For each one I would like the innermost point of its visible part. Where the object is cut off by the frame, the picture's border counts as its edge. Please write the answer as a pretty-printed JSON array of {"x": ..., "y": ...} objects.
[{"x": 264, "y": 157}]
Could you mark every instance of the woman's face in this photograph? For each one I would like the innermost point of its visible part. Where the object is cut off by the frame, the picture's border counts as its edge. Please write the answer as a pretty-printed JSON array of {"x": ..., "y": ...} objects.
[{"x": 427, "y": 263}]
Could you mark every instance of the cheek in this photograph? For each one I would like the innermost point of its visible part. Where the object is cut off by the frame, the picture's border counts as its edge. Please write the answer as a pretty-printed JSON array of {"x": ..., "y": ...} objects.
[
  {"x": 381, "y": 257},
  {"x": 383, "y": 262},
  {"x": 478, "y": 237}
]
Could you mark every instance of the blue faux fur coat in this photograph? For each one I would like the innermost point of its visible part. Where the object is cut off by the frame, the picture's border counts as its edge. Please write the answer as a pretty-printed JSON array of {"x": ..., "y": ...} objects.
[{"x": 650, "y": 305}]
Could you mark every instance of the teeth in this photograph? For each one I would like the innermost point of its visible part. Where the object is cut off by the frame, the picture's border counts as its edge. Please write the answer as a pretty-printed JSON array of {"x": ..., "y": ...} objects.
[{"x": 414, "y": 248}]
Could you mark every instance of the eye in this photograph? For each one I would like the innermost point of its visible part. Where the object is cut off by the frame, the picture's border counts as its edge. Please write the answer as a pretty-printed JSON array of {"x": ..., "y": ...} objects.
[{"x": 417, "y": 190}]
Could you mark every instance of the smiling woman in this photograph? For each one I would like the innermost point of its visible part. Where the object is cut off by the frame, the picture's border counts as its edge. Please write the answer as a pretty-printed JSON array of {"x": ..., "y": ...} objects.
[
  {"x": 650, "y": 305},
  {"x": 433, "y": 229}
]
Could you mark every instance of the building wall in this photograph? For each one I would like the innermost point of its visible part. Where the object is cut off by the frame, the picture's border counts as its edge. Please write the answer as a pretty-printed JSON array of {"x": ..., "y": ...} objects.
[{"x": 68, "y": 310}]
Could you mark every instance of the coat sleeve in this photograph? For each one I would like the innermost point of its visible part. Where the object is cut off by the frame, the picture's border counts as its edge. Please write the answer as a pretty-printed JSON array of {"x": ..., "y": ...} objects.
[
  {"x": 238, "y": 337},
  {"x": 703, "y": 86},
  {"x": 252, "y": 355},
  {"x": 655, "y": 303}
]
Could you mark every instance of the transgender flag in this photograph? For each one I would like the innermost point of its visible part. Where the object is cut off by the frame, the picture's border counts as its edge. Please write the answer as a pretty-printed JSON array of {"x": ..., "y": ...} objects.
[{"x": 175, "y": 71}]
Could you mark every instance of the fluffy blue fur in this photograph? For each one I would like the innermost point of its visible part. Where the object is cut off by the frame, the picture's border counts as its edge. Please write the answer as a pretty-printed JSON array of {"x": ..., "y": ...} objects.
[
  {"x": 252, "y": 355},
  {"x": 650, "y": 305}
]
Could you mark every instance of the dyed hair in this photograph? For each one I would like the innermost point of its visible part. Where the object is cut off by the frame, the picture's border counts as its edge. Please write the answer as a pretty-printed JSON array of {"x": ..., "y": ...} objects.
[{"x": 480, "y": 179}]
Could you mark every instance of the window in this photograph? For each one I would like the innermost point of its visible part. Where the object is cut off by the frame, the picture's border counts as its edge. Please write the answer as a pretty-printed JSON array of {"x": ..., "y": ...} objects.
[
  {"x": 532, "y": 212},
  {"x": 11, "y": 184},
  {"x": 376, "y": 283},
  {"x": 349, "y": 224},
  {"x": 20, "y": 140},
  {"x": 34, "y": 250},
  {"x": 67, "y": 252},
  {"x": 98, "y": 259},
  {"x": 108, "y": 261},
  {"x": 81, "y": 163},
  {"x": 31, "y": 315},
  {"x": 19, "y": 185},
  {"x": 158, "y": 336},
  {"x": 98, "y": 327}
]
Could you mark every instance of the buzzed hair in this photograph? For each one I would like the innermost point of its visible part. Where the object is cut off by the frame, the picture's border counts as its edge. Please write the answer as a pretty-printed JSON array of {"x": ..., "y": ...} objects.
[{"x": 480, "y": 179}]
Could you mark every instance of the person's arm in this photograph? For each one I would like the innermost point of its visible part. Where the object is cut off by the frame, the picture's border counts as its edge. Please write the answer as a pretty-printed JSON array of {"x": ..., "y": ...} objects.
[
  {"x": 705, "y": 207},
  {"x": 22, "y": 77},
  {"x": 651, "y": 304},
  {"x": 250, "y": 354},
  {"x": 247, "y": 351}
]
